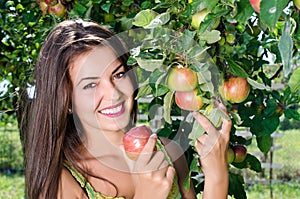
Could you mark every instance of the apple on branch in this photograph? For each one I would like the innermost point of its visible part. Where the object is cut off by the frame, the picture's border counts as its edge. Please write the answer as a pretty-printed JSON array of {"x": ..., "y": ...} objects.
[
  {"x": 240, "y": 152},
  {"x": 135, "y": 140},
  {"x": 189, "y": 100},
  {"x": 235, "y": 89},
  {"x": 182, "y": 79}
]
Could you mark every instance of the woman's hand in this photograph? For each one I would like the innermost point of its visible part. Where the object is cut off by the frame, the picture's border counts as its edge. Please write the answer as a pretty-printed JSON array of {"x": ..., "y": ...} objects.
[
  {"x": 151, "y": 174},
  {"x": 212, "y": 149}
]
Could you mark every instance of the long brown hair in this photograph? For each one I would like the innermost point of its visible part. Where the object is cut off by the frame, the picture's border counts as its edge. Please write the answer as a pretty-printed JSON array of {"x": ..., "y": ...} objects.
[{"x": 51, "y": 135}]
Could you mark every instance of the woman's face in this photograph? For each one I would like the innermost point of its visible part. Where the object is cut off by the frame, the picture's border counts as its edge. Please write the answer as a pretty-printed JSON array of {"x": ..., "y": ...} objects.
[{"x": 102, "y": 91}]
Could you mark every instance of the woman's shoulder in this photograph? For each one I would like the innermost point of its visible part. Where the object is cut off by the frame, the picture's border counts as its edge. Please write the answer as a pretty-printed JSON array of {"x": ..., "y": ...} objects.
[{"x": 68, "y": 186}]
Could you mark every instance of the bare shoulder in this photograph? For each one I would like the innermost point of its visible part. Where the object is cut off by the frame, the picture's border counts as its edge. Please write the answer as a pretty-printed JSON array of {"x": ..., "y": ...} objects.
[{"x": 68, "y": 187}]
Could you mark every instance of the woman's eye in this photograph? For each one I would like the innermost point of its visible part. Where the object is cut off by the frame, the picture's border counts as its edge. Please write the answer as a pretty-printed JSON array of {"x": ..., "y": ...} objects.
[
  {"x": 90, "y": 85},
  {"x": 119, "y": 75}
]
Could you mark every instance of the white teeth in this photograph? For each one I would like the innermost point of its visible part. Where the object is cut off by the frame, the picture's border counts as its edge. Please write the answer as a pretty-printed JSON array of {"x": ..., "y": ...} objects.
[{"x": 112, "y": 111}]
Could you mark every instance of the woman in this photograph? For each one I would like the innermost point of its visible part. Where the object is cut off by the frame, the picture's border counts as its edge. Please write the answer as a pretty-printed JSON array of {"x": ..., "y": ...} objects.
[{"x": 84, "y": 102}]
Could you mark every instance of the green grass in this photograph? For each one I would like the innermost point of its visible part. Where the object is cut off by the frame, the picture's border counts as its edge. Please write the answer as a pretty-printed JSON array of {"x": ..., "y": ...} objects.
[{"x": 11, "y": 186}]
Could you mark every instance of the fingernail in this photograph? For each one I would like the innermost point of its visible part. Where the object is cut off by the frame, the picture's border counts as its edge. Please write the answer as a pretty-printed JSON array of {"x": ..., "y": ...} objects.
[{"x": 153, "y": 136}]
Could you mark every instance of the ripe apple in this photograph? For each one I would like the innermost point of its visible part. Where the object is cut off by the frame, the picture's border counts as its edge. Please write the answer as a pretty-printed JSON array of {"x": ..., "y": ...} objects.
[
  {"x": 58, "y": 10},
  {"x": 255, "y": 5},
  {"x": 230, "y": 155},
  {"x": 240, "y": 152},
  {"x": 188, "y": 100},
  {"x": 135, "y": 140},
  {"x": 297, "y": 3},
  {"x": 235, "y": 89},
  {"x": 182, "y": 79},
  {"x": 198, "y": 18}
]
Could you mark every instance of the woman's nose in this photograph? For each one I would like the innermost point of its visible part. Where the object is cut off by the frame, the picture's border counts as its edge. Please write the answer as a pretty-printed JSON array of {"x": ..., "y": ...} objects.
[{"x": 108, "y": 90}]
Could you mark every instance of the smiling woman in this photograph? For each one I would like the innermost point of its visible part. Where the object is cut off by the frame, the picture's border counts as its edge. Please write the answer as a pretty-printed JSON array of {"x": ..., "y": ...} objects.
[{"x": 84, "y": 103}]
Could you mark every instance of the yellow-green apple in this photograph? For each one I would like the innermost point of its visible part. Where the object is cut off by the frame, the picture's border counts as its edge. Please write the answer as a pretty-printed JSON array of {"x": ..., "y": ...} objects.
[
  {"x": 240, "y": 152},
  {"x": 182, "y": 79}
]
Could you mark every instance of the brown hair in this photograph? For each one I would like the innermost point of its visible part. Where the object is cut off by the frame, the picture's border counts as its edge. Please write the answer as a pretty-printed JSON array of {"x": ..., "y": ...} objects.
[{"x": 51, "y": 136}]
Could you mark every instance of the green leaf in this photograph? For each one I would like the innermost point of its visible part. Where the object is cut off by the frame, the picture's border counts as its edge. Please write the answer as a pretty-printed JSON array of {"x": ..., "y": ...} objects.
[
  {"x": 270, "y": 124},
  {"x": 291, "y": 113},
  {"x": 144, "y": 17},
  {"x": 244, "y": 11},
  {"x": 257, "y": 85},
  {"x": 168, "y": 100},
  {"x": 159, "y": 20},
  {"x": 285, "y": 46},
  {"x": 209, "y": 4},
  {"x": 106, "y": 7},
  {"x": 150, "y": 64},
  {"x": 237, "y": 69},
  {"x": 196, "y": 132},
  {"x": 143, "y": 91},
  {"x": 294, "y": 81},
  {"x": 264, "y": 143},
  {"x": 250, "y": 162},
  {"x": 210, "y": 36},
  {"x": 236, "y": 186},
  {"x": 270, "y": 11}
]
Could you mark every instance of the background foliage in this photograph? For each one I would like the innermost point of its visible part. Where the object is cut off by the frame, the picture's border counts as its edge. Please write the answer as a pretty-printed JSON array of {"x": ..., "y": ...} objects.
[{"x": 232, "y": 39}]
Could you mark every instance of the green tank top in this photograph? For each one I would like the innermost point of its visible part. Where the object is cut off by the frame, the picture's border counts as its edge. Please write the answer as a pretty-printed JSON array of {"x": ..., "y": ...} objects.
[{"x": 92, "y": 194}]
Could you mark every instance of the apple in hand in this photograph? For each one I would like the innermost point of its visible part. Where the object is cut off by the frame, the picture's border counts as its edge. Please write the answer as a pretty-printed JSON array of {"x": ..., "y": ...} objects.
[
  {"x": 255, "y": 5},
  {"x": 188, "y": 100},
  {"x": 135, "y": 140},
  {"x": 240, "y": 152},
  {"x": 182, "y": 79},
  {"x": 235, "y": 89}
]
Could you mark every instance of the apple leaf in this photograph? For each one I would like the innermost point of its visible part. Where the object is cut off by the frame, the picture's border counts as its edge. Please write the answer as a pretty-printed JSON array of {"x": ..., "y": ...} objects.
[
  {"x": 291, "y": 113},
  {"x": 285, "y": 46},
  {"x": 244, "y": 11},
  {"x": 294, "y": 81},
  {"x": 257, "y": 85},
  {"x": 149, "y": 64},
  {"x": 143, "y": 91},
  {"x": 159, "y": 20},
  {"x": 236, "y": 186},
  {"x": 270, "y": 11},
  {"x": 144, "y": 18},
  {"x": 264, "y": 143},
  {"x": 168, "y": 100},
  {"x": 210, "y": 36},
  {"x": 209, "y": 4},
  {"x": 237, "y": 69}
]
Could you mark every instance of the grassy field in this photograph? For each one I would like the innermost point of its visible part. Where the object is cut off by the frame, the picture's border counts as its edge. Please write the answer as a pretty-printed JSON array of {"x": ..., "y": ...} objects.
[{"x": 12, "y": 185}]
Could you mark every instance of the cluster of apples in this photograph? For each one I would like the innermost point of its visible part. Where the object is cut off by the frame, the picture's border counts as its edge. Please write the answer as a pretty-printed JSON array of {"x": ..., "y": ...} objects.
[
  {"x": 184, "y": 82},
  {"x": 53, "y": 7},
  {"x": 236, "y": 153}
]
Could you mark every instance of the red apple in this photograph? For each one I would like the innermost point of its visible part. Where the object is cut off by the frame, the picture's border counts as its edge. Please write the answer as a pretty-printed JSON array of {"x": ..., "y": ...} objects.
[
  {"x": 240, "y": 152},
  {"x": 235, "y": 89},
  {"x": 58, "y": 10},
  {"x": 230, "y": 155},
  {"x": 255, "y": 5},
  {"x": 182, "y": 79},
  {"x": 135, "y": 140},
  {"x": 188, "y": 100}
]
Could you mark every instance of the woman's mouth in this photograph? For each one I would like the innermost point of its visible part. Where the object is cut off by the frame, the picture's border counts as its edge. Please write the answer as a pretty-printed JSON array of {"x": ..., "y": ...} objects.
[{"x": 113, "y": 111}]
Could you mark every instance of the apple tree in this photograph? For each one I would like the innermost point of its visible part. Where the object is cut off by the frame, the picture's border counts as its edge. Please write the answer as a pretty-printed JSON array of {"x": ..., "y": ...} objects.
[{"x": 242, "y": 53}]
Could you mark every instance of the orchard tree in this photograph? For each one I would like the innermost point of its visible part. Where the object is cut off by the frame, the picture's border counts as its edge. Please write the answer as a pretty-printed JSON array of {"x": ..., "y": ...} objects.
[{"x": 243, "y": 53}]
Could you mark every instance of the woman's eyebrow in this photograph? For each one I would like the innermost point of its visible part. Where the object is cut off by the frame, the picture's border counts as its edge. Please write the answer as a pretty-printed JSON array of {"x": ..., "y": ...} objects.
[
  {"x": 118, "y": 67},
  {"x": 87, "y": 78}
]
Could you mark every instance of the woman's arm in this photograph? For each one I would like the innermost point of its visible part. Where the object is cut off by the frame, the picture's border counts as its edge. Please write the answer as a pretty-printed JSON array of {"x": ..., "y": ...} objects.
[{"x": 212, "y": 149}]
